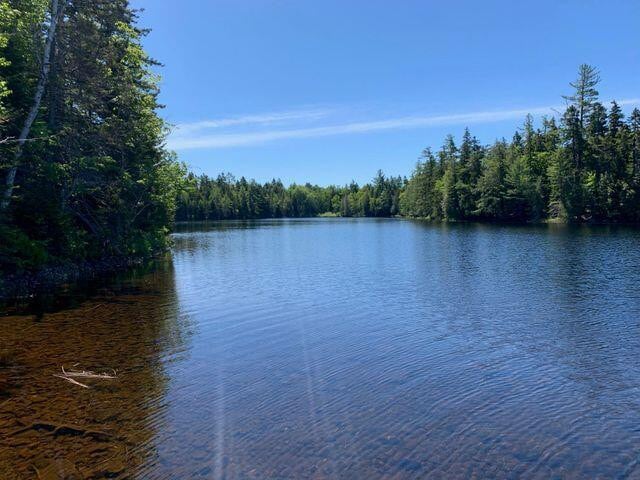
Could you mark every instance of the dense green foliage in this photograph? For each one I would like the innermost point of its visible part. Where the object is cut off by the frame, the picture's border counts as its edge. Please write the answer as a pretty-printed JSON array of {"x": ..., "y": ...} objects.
[
  {"x": 92, "y": 177},
  {"x": 587, "y": 168},
  {"x": 226, "y": 198}
]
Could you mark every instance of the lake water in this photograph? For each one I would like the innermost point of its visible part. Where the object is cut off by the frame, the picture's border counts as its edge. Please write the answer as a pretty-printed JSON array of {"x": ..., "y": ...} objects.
[{"x": 337, "y": 348}]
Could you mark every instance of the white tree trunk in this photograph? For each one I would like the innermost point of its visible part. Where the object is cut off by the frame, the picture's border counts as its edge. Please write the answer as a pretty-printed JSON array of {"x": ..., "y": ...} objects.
[{"x": 56, "y": 11}]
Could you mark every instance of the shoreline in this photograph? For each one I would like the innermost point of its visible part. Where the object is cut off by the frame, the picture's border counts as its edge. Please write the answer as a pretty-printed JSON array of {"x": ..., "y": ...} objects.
[
  {"x": 24, "y": 287},
  {"x": 545, "y": 221},
  {"x": 17, "y": 288}
]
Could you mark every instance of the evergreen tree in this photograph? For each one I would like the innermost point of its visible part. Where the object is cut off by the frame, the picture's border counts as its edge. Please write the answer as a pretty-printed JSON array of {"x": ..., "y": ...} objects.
[
  {"x": 469, "y": 170},
  {"x": 491, "y": 186},
  {"x": 82, "y": 108},
  {"x": 448, "y": 183},
  {"x": 585, "y": 93}
]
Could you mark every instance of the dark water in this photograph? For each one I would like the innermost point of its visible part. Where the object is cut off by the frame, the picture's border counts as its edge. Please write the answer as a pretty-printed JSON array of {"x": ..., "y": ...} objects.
[{"x": 341, "y": 349}]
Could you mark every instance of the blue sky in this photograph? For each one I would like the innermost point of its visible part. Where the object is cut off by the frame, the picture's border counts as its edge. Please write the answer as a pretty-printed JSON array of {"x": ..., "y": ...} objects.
[{"x": 331, "y": 90}]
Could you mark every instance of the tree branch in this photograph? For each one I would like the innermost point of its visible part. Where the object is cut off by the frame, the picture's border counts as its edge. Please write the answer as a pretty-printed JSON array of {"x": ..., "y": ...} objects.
[{"x": 56, "y": 13}]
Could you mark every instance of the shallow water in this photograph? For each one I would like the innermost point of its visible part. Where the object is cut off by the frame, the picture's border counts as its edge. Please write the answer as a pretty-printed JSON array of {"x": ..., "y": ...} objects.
[{"x": 336, "y": 348}]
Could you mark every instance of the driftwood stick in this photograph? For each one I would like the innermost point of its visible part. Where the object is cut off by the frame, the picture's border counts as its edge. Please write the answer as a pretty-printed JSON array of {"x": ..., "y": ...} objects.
[
  {"x": 95, "y": 306},
  {"x": 87, "y": 374},
  {"x": 68, "y": 379}
]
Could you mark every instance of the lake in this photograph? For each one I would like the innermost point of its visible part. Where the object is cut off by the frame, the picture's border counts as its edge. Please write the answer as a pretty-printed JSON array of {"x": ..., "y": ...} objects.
[{"x": 339, "y": 348}]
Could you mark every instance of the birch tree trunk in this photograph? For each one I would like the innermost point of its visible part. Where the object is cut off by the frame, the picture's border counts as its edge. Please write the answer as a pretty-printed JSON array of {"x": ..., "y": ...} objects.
[{"x": 56, "y": 12}]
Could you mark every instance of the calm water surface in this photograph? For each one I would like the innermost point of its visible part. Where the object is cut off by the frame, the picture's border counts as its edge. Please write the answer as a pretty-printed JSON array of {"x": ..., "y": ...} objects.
[{"x": 337, "y": 348}]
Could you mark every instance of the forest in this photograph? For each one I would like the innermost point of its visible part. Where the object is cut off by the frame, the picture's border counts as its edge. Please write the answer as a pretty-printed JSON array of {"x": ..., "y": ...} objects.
[
  {"x": 584, "y": 167},
  {"x": 225, "y": 198},
  {"x": 83, "y": 168},
  {"x": 85, "y": 173}
]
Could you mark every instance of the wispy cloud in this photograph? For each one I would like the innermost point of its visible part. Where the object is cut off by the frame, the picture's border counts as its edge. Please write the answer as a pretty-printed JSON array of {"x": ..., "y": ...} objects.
[
  {"x": 255, "y": 119},
  {"x": 194, "y": 137},
  {"x": 629, "y": 102}
]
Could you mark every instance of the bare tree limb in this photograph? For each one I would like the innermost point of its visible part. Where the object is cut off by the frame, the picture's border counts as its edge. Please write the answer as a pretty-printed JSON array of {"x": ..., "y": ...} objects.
[
  {"x": 17, "y": 140},
  {"x": 56, "y": 13}
]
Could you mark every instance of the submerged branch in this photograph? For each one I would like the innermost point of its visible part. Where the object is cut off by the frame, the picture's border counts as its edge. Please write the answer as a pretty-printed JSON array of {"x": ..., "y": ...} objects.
[
  {"x": 71, "y": 380},
  {"x": 71, "y": 375},
  {"x": 87, "y": 374}
]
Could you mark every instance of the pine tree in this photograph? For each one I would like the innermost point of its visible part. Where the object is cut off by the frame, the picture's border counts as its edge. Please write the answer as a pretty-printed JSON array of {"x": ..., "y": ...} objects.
[
  {"x": 585, "y": 92},
  {"x": 469, "y": 169},
  {"x": 491, "y": 186}
]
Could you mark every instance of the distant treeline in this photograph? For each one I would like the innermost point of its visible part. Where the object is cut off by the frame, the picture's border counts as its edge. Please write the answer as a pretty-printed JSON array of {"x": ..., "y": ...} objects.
[
  {"x": 225, "y": 198},
  {"x": 586, "y": 167}
]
